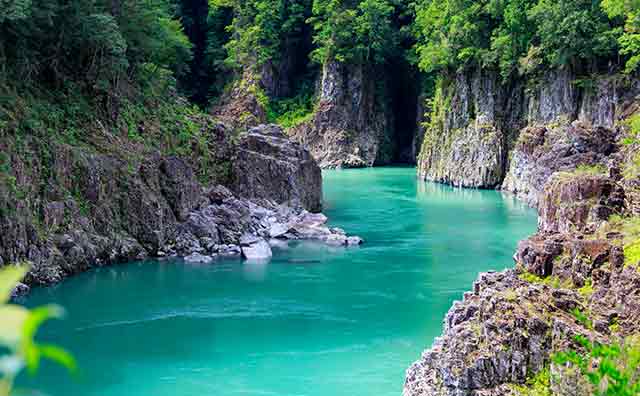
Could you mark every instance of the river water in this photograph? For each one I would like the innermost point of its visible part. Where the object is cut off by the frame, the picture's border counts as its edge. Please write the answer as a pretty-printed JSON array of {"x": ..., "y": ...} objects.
[{"x": 315, "y": 321}]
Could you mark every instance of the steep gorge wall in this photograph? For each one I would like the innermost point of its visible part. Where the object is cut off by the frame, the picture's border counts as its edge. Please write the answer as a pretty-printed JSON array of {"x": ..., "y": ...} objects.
[
  {"x": 476, "y": 121},
  {"x": 352, "y": 124},
  {"x": 563, "y": 141},
  {"x": 358, "y": 119}
]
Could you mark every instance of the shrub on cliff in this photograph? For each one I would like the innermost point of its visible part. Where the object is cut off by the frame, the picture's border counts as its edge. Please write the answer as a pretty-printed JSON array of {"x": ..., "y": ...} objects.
[{"x": 612, "y": 370}]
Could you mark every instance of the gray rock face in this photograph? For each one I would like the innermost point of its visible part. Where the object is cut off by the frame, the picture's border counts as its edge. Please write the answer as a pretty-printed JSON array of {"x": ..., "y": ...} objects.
[
  {"x": 481, "y": 347},
  {"x": 350, "y": 128},
  {"x": 467, "y": 144},
  {"x": 268, "y": 165},
  {"x": 478, "y": 121},
  {"x": 257, "y": 250},
  {"x": 542, "y": 151},
  {"x": 578, "y": 202},
  {"x": 240, "y": 107}
]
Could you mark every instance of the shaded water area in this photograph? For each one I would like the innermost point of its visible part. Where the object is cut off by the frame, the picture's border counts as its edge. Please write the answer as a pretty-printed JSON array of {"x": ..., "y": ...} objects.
[{"x": 315, "y": 321}]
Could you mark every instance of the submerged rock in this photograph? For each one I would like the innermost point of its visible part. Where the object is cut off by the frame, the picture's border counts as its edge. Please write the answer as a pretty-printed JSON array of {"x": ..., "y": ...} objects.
[{"x": 20, "y": 290}]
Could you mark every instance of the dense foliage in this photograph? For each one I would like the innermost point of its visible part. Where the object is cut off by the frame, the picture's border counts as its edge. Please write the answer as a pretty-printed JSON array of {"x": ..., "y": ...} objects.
[
  {"x": 353, "y": 31},
  {"x": 514, "y": 34},
  {"x": 97, "y": 44},
  {"x": 109, "y": 51},
  {"x": 261, "y": 27},
  {"x": 629, "y": 40}
]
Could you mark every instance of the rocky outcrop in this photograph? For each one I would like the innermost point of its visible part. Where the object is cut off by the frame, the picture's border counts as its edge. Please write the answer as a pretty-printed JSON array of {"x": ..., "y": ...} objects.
[
  {"x": 242, "y": 105},
  {"x": 574, "y": 202},
  {"x": 352, "y": 126},
  {"x": 505, "y": 331},
  {"x": 542, "y": 151},
  {"x": 268, "y": 165},
  {"x": 225, "y": 225},
  {"x": 87, "y": 208},
  {"x": 558, "y": 144},
  {"x": 473, "y": 135}
]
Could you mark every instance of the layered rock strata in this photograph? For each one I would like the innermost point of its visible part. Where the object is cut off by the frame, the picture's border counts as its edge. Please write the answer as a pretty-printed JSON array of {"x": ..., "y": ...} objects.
[
  {"x": 351, "y": 126},
  {"x": 472, "y": 136}
]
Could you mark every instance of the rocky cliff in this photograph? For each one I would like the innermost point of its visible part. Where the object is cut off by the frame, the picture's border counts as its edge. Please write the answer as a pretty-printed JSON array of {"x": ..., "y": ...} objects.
[
  {"x": 474, "y": 134},
  {"x": 504, "y": 332},
  {"x": 69, "y": 208},
  {"x": 352, "y": 125},
  {"x": 578, "y": 275},
  {"x": 242, "y": 105}
]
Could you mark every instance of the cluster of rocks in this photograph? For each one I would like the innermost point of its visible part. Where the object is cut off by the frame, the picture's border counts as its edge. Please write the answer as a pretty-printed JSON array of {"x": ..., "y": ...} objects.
[
  {"x": 230, "y": 226},
  {"x": 506, "y": 330}
]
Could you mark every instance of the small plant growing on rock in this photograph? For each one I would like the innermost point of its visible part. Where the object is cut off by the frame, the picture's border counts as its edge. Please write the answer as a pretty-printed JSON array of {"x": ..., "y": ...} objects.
[
  {"x": 586, "y": 290},
  {"x": 582, "y": 318},
  {"x": 538, "y": 385},
  {"x": 18, "y": 328},
  {"x": 611, "y": 369}
]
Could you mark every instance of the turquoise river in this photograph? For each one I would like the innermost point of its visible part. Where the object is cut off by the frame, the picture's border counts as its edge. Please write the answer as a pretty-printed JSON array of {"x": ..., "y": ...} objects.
[{"x": 315, "y": 321}]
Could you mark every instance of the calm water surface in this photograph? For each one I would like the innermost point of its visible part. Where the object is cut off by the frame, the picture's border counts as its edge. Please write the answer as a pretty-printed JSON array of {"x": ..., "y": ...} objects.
[{"x": 316, "y": 321}]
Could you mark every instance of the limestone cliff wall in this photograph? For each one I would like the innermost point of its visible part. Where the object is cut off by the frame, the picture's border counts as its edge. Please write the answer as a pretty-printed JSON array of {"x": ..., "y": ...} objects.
[
  {"x": 563, "y": 141},
  {"x": 505, "y": 331}
]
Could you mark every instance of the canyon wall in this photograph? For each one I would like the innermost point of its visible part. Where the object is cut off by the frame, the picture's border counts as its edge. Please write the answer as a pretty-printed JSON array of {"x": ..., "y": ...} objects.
[
  {"x": 559, "y": 145},
  {"x": 472, "y": 139},
  {"x": 352, "y": 124}
]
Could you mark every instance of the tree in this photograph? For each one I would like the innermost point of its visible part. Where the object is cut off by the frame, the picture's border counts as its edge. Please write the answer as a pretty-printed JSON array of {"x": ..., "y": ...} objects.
[
  {"x": 629, "y": 40},
  {"x": 356, "y": 32}
]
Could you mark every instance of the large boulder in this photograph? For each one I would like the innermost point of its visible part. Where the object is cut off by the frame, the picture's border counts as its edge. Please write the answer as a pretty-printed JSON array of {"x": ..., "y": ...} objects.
[{"x": 267, "y": 165}]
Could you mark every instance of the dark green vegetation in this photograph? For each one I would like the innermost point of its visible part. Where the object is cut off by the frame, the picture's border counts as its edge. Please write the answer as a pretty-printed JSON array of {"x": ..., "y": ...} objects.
[{"x": 101, "y": 56}]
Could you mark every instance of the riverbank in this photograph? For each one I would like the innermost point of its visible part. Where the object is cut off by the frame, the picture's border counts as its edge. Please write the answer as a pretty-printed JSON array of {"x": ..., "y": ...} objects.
[
  {"x": 577, "y": 276},
  {"x": 92, "y": 206}
]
